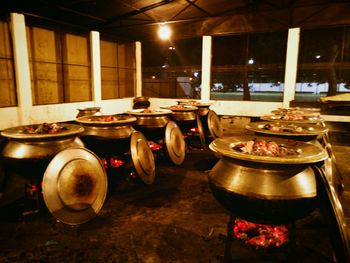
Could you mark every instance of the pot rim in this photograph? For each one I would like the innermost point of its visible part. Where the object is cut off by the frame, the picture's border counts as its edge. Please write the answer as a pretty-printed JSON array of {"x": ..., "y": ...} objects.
[
  {"x": 310, "y": 153},
  {"x": 19, "y": 133},
  {"x": 95, "y": 120},
  {"x": 154, "y": 112},
  {"x": 315, "y": 131}
]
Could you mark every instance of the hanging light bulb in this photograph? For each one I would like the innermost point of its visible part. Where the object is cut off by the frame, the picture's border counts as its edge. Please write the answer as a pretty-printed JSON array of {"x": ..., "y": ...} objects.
[{"x": 164, "y": 32}]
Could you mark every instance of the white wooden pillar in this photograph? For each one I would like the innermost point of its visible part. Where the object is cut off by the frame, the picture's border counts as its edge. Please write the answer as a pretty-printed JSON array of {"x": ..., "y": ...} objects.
[
  {"x": 138, "y": 62},
  {"x": 95, "y": 67},
  {"x": 290, "y": 75},
  {"x": 21, "y": 62},
  {"x": 206, "y": 68}
]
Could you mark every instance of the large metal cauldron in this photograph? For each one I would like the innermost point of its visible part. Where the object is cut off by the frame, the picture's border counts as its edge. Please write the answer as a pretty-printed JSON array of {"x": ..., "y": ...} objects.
[
  {"x": 157, "y": 127},
  {"x": 209, "y": 122},
  {"x": 112, "y": 136},
  {"x": 183, "y": 113},
  {"x": 151, "y": 122},
  {"x": 189, "y": 121},
  {"x": 203, "y": 108},
  {"x": 107, "y": 134},
  {"x": 89, "y": 111},
  {"x": 28, "y": 154},
  {"x": 265, "y": 189}
]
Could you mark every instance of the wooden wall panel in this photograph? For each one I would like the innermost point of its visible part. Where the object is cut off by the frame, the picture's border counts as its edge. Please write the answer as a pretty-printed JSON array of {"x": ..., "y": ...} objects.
[
  {"x": 47, "y": 83},
  {"x": 126, "y": 55},
  {"x": 45, "y": 68},
  {"x": 76, "y": 59},
  {"x": 5, "y": 44},
  {"x": 7, "y": 78},
  {"x": 76, "y": 50},
  {"x": 42, "y": 45},
  {"x": 126, "y": 82},
  {"x": 109, "y": 79},
  {"x": 77, "y": 84},
  {"x": 7, "y": 84},
  {"x": 117, "y": 69},
  {"x": 109, "y": 53}
]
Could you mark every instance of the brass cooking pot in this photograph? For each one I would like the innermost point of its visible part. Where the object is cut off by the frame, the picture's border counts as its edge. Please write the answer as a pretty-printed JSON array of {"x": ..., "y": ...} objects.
[
  {"x": 203, "y": 108},
  {"x": 181, "y": 113},
  {"x": 29, "y": 154},
  {"x": 107, "y": 126},
  {"x": 89, "y": 111},
  {"x": 265, "y": 188},
  {"x": 107, "y": 133},
  {"x": 150, "y": 118}
]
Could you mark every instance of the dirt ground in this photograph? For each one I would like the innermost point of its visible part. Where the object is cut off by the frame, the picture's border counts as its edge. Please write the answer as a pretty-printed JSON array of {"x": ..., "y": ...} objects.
[
  {"x": 176, "y": 219},
  {"x": 173, "y": 220}
]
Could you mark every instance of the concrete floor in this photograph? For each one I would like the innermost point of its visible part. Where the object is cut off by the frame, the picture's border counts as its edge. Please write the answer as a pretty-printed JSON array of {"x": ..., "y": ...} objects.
[{"x": 176, "y": 219}]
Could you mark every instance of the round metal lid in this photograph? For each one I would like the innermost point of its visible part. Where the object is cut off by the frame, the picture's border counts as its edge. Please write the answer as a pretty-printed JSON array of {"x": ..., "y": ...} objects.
[
  {"x": 308, "y": 152},
  {"x": 149, "y": 112},
  {"x": 177, "y": 108},
  {"x": 198, "y": 104},
  {"x": 142, "y": 157},
  {"x": 107, "y": 120},
  {"x": 280, "y": 118},
  {"x": 214, "y": 125},
  {"x": 175, "y": 143},
  {"x": 201, "y": 131},
  {"x": 297, "y": 109},
  {"x": 27, "y": 132},
  {"x": 74, "y": 185},
  {"x": 287, "y": 129}
]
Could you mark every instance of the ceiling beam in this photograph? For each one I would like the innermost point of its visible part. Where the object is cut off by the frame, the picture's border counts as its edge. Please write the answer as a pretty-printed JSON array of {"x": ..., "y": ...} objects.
[{"x": 133, "y": 13}]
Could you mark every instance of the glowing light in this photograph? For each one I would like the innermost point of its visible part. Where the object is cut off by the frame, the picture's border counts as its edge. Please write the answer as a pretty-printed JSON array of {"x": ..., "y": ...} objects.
[
  {"x": 153, "y": 77},
  {"x": 318, "y": 56},
  {"x": 116, "y": 163},
  {"x": 251, "y": 61},
  {"x": 196, "y": 74},
  {"x": 194, "y": 129},
  {"x": 259, "y": 235},
  {"x": 164, "y": 32},
  {"x": 154, "y": 146}
]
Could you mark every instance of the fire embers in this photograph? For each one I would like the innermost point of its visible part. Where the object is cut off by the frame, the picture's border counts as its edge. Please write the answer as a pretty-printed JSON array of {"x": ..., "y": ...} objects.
[
  {"x": 154, "y": 146},
  {"x": 260, "y": 235},
  {"x": 113, "y": 162}
]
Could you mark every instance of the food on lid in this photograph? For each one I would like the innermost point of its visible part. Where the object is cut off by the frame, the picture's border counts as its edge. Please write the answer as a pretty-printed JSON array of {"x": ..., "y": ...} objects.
[
  {"x": 265, "y": 148},
  {"x": 44, "y": 128},
  {"x": 278, "y": 127}
]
